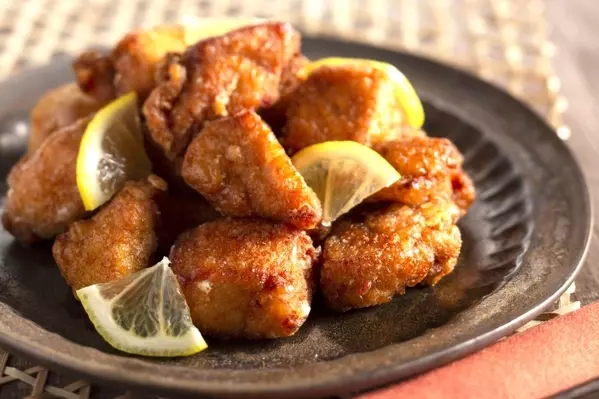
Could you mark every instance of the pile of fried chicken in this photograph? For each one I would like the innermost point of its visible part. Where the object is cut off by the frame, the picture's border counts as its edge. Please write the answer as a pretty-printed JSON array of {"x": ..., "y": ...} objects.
[{"x": 221, "y": 116}]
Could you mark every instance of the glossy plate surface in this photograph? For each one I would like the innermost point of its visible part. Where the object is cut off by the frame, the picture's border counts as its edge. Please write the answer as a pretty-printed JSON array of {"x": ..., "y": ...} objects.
[{"x": 524, "y": 240}]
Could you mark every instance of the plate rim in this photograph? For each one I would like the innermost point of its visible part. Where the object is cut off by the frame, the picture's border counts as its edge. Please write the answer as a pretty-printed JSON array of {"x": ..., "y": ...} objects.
[{"x": 348, "y": 383}]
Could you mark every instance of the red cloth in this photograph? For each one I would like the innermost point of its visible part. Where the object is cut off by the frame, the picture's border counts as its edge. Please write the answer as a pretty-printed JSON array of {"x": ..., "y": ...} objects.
[{"x": 541, "y": 361}]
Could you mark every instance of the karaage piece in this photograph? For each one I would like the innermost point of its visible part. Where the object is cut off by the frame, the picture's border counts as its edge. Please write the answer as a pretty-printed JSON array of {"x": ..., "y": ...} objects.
[
  {"x": 132, "y": 63},
  {"x": 59, "y": 108},
  {"x": 117, "y": 241},
  {"x": 238, "y": 165},
  {"x": 366, "y": 262},
  {"x": 346, "y": 102},
  {"x": 246, "y": 278},
  {"x": 218, "y": 77},
  {"x": 43, "y": 199},
  {"x": 429, "y": 168}
]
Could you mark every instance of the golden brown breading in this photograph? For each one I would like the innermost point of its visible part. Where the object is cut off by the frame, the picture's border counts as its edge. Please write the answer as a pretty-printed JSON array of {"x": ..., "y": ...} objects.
[
  {"x": 43, "y": 199},
  {"x": 424, "y": 165},
  {"x": 276, "y": 115},
  {"x": 290, "y": 77},
  {"x": 137, "y": 54},
  {"x": 132, "y": 63},
  {"x": 246, "y": 278},
  {"x": 355, "y": 103},
  {"x": 58, "y": 108},
  {"x": 218, "y": 77},
  {"x": 238, "y": 164},
  {"x": 429, "y": 168},
  {"x": 94, "y": 74},
  {"x": 366, "y": 263},
  {"x": 116, "y": 242}
]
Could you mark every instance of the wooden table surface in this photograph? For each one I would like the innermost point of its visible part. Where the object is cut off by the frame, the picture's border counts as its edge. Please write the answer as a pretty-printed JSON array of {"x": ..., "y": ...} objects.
[{"x": 574, "y": 28}]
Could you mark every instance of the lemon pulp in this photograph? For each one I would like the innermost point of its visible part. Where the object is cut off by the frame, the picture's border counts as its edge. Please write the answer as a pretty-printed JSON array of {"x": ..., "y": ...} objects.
[
  {"x": 343, "y": 174},
  {"x": 143, "y": 314},
  {"x": 111, "y": 152}
]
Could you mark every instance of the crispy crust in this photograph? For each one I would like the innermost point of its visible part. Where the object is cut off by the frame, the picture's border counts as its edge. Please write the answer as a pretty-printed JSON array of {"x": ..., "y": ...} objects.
[
  {"x": 132, "y": 64},
  {"x": 59, "y": 108},
  {"x": 43, "y": 199},
  {"x": 238, "y": 165},
  {"x": 276, "y": 115},
  {"x": 95, "y": 74},
  {"x": 355, "y": 103},
  {"x": 246, "y": 278},
  {"x": 217, "y": 77},
  {"x": 366, "y": 262},
  {"x": 429, "y": 168},
  {"x": 116, "y": 242}
]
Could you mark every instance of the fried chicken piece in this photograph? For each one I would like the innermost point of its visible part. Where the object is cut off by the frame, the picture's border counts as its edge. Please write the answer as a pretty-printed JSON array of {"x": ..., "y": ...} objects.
[
  {"x": 218, "y": 77},
  {"x": 356, "y": 102},
  {"x": 116, "y": 242},
  {"x": 238, "y": 165},
  {"x": 367, "y": 262},
  {"x": 429, "y": 167},
  {"x": 43, "y": 199},
  {"x": 246, "y": 278},
  {"x": 132, "y": 63},
  {"x": 58, "y": 108}
]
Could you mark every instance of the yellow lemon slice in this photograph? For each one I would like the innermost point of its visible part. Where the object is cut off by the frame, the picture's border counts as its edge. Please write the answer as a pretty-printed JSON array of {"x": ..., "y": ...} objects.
[
  {"x": 111, "y": 152},
  {"x": 144, "y": 314},
  {"x": 343, "y": 174},
  {"x": 406, "y": 95}
]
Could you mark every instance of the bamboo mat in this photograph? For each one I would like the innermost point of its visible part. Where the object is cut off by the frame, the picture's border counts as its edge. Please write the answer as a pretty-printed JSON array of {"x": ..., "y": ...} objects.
[{"x": 504, "y": 41}]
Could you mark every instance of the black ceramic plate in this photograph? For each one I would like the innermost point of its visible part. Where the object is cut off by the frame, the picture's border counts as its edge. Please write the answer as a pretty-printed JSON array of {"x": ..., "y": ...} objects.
[{"x": 524, "y": 240}]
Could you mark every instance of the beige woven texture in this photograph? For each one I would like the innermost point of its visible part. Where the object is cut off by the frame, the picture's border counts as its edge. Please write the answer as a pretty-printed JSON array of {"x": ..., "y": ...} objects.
[{"x": 504, "y": 41}]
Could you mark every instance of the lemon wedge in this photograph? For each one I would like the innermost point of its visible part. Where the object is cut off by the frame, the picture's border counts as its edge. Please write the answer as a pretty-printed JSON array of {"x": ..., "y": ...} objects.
[
  {"x": 111, "y": 152},
  {"x": 144, "y": 314},
  {"x": 343, "y": 174},
  {"x": 405, "y": 92}
]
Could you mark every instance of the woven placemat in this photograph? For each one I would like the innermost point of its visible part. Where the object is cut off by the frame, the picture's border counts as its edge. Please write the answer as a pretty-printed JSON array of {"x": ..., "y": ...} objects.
[{"x": 504, "y": 41}]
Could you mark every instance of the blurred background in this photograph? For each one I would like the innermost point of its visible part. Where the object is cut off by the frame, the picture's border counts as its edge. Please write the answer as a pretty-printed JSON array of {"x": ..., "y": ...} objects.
[{"x": 503, "y": 40}]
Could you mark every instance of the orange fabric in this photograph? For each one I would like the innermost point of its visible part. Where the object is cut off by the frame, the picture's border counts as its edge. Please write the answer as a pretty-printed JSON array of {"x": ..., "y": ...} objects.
[{"x": 542, "y": 361}]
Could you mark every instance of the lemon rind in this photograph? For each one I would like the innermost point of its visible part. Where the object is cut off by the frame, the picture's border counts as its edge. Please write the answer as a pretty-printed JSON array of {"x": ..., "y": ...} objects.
[
  {"x": 347, "y": 150},
  {"x": 88, "y": 160},
  {"x": 381, "y": 172},
  {"x": 98, "y": 310}
]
